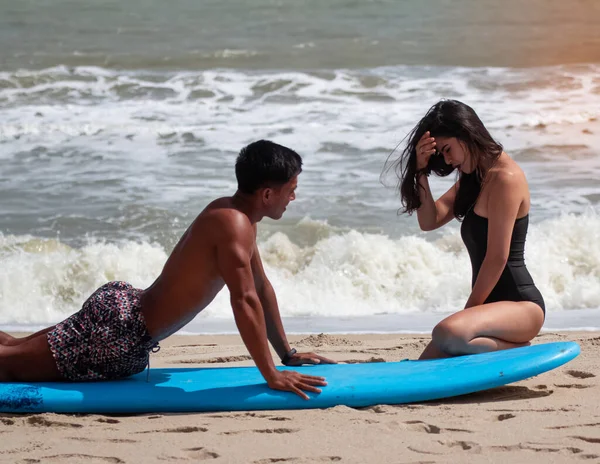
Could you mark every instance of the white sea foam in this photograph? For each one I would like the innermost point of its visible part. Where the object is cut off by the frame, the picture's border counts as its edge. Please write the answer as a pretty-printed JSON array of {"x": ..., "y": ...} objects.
[
  {"x": 342, "y": 274},
  {"x": 60, "y": 104},
  {"x": 159, "y": 126},
  {"x": 136, "y": 145}
]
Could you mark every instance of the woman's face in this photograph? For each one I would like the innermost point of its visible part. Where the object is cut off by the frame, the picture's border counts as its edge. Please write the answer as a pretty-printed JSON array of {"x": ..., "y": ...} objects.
[{"x": 455, "y": 153}]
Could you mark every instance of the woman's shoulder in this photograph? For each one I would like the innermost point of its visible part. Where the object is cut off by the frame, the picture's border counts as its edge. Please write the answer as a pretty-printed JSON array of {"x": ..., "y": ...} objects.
[{"x": 507, "y": 173}]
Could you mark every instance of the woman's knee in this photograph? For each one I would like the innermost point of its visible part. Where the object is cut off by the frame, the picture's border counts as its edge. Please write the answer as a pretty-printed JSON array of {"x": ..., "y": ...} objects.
[{"x": 450, "y": 337}]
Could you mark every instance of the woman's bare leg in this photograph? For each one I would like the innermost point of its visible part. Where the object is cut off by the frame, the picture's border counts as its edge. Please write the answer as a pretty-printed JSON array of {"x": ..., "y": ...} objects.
[
  {"x": 432, "y": 352},
  {"x": 488, "y": 327}
]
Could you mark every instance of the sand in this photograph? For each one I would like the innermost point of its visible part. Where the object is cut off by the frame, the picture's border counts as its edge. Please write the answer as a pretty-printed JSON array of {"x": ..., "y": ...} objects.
[{"x": 554, "y": 417}]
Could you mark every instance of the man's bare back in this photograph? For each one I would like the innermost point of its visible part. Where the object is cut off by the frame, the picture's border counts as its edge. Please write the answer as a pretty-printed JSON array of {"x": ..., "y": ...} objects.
[
  {"x": 191, "y": 277},
  {"x": 218, "y": 249}
]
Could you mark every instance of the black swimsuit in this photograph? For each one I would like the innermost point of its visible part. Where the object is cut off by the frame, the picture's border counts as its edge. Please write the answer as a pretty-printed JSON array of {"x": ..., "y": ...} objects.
[{"x": 515, "y": 283}]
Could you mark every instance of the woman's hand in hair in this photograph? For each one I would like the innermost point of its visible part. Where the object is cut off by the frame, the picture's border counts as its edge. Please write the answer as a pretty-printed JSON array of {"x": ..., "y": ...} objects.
[{"x": 425, "y": 148}]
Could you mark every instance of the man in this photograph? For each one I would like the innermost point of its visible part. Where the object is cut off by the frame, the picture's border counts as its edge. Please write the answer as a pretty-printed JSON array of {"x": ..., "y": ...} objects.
[{"x": 112, "y": 335}]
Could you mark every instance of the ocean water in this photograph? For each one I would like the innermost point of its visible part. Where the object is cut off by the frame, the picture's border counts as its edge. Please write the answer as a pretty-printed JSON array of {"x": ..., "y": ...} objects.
[{"x": 120, "y": 121}]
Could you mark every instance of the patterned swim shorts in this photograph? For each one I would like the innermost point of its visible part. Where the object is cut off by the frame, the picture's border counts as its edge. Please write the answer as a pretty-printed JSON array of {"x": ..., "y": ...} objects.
[{"x": 107, "y": 339}]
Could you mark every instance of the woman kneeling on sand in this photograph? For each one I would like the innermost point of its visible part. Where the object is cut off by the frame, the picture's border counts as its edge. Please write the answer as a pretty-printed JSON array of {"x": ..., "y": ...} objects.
[{"x": 491, "y": 198}]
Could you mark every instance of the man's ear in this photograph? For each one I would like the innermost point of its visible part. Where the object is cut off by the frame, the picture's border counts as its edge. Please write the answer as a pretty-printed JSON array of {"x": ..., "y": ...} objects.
[{"x": 267, "y": 194}]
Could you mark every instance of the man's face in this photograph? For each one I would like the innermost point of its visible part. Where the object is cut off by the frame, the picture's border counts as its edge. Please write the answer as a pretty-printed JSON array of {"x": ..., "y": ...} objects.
[{"x": 280, "y": 197}]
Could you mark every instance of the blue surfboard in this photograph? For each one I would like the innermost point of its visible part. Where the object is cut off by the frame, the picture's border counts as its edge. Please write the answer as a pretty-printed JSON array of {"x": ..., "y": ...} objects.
[{"x": 244, "y": 389}]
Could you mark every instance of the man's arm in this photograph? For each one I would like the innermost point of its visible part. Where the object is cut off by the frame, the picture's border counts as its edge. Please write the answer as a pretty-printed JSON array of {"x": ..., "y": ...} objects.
[
  {"x": 234, "y": 247},
  {"x": 268, "y": 300},
  {"x": 274, "y": 325}
]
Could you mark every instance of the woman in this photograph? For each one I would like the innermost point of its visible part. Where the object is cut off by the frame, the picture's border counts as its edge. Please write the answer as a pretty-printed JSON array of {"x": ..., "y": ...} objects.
[{"x": 491, "y": 198}]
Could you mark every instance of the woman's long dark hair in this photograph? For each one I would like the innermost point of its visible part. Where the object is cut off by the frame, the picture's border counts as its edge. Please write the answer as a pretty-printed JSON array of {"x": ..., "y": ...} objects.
[{"x": 447, "y": 118}]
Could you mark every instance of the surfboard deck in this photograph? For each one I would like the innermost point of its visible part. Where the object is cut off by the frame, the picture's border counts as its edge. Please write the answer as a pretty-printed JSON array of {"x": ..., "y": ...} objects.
[{"x": 244, "y": 389}]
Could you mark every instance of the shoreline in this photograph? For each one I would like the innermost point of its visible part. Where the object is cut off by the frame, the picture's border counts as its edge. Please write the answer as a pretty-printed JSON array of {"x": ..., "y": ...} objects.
[
  {"x": 558, "y": 410},
  {"x": 572, "y": 321}
]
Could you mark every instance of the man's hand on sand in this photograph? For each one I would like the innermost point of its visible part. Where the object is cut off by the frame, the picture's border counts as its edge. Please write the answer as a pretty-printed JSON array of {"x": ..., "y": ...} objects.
[
  {"x": 308, "y": 358},
  {"x": 295, "y": 382}
]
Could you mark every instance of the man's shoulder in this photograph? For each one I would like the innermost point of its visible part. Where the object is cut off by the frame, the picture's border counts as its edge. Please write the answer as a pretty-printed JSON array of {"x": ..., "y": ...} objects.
[{"x": 225, "y": 222}]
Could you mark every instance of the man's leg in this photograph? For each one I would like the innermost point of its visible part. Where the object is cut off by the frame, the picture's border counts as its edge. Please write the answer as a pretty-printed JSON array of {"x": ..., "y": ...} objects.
[
  {"x": 30, "y": 361},
  {"x": 6, "y": 339},
  {"x": 9, "y": 340}
]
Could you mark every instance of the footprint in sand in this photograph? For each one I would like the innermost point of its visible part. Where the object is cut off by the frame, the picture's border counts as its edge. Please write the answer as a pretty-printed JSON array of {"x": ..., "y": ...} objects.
[
  {"x": 464, "y": 445},
  {"x": 299, "y": 460},
  {"x": 326, "y": 340},
  {"x": 108, "y": 421},
  {"x": 365, "y": 421},
  {"x": 193, "y": 346},
  {"x": 254, "y": 415},
  {"x": 559, "y": 427},
  {"x": 536, "y": 447},
  {"x": 580, "y": 374},
  {"x": 87, "y": 458},
  {"x": 185, "y": 430},
  {"x": 503, "y": 417},
  {"x": 228, "y": 359},
  {"x": 392, "y": 348},
  {"x": 6, "y": 421},
  {"x": 43, "y": 422},
  {"x": 420, "y": 426},
  {"x": 200, "y": 454},
  {"x": 378, "y": 409},
  {"x": 370, "y": 360},
  {"x": 588, "y": 439},
  {"x": 178, "y": 430},
  {"x": 248, "y": 415},
  {"x": 420, "y": 451},
  {"x": 219, "y": 359},
  {"x": 279, "y": 430},
  {"x": 110, "y": 440},
  {"x": 531, "y": 410},
  {"x": 573, "y": 385}
]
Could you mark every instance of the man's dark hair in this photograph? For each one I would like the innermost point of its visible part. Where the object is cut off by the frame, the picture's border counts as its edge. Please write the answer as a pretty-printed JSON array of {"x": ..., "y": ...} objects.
[{"x": 265, "y": 164}]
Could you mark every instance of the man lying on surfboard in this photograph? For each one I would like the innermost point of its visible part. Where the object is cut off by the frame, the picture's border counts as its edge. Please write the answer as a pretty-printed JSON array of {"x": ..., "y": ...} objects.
[{"x": 118, "y": 326}]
